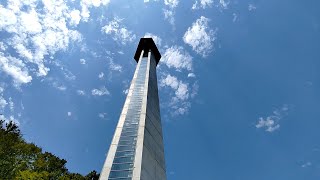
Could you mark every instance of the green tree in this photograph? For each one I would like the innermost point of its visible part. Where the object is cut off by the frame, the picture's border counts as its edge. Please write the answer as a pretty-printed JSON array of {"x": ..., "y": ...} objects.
[
  {"x": 93, "y": 175},
  {"x": 10, "y": 137},
  {"x": 28, "y": 174},
  {"x": 21, "y": 160}
]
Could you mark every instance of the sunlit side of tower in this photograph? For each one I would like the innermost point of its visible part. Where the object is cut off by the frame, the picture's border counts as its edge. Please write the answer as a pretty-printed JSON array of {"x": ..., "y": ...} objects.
[{"x": 136, "y": 151}]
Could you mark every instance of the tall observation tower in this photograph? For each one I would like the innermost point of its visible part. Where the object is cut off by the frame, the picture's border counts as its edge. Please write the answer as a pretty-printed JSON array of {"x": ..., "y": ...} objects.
[{"x": 136, "y": 151}]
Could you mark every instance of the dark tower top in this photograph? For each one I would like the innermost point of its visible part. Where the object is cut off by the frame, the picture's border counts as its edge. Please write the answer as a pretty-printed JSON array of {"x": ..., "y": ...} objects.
[{"x": 147, "y": 44}]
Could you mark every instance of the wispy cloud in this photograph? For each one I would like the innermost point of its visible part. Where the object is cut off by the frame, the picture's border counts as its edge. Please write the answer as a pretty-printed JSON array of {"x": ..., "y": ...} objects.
[
  {"x": 3, "y": 102},
  {"x": 180, "y": 87},
  {"x": 16, "y": 68},
  {"x": 114, "y": 67},
  {"x": 100, "y": 92},
  {"x": 86, "y": 4},
  {"x": 209, "y": 3},
  {"x": 82, "y": 61},
  {"x": 34, "y": 34},
  {"x": 202, "y": 4},
  {"x": 81, "y": 92},
  {"x": 101, "y": 75},
  {"x": 307, "y": 164},
  {"x": 179, "y": 102},
  {"x": 235, "y": 17},
  {"x": 271, "y": 123},
  {"x": 169, "y": 11},
  {"x": 102, "y": 115},
  {"x": 11, "y": 105},
  {"x": 200, "y": 37},
  {"x": 252, "y": 7},
  {"x": 178, "y": 58},
  {"x": 118, "y": 32},
  {"x": 224, "y": 3},
  {"x": 57, "y": 84}
]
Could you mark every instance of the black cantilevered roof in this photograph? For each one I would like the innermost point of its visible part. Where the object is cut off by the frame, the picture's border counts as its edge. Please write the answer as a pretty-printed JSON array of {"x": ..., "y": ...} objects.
[{"x": 147, "y": 44}]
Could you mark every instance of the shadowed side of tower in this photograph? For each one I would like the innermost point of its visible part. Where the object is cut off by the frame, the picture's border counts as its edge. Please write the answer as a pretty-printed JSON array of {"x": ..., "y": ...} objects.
[{"x": 136, "y": 151}]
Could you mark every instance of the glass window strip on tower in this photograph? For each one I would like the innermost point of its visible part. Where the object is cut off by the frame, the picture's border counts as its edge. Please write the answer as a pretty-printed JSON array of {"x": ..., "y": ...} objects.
[{"x": 131, "y": 120}]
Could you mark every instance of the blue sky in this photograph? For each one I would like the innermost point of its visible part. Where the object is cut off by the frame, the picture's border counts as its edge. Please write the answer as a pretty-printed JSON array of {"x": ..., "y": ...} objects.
[{"x": 238, "y": 81}]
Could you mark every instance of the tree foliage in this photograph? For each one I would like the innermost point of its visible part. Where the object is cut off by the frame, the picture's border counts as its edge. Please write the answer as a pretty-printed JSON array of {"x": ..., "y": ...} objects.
[{"x": 21, "y": 160}]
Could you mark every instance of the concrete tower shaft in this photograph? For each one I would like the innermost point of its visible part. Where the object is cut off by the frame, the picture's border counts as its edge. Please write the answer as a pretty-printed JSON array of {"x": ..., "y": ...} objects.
[{"x": 136, "y": 151}]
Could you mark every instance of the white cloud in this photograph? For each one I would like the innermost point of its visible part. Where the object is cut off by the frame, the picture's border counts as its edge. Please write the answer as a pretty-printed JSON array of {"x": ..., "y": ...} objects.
[
  {"x": 307, "y": 164},
  {"x": 15, "y": 68},
  {"x": 195, "y": 88},
  {"x": 118, "y": 32},
  {"x": 170, "y": 81},
  {"x": 56, "y": 84},
  {"x": 146, "y": 1},
  {"x": 21, "y": 105},
  {"x": 81, "y": 92},
  {"x": 271, "y": 123},
  {"x": 30, "y": 22},
  {"x": 171, "y": 3},
  {"x": 200, "y": 37},
  {"x": 169, "y": 12},
  {"x": 202, "y": 4},
  {"x": 176, "y": 57},
  {"x": 69, "y": 113},
  {"x": 3, "y": 102},
  {"x": 126, "y": 91},
  {"x": 181, "y": 89},
  {"x": 34, "y": 33},
  {"x": 100, "y": 92},
  {"x": 68, "y": 74},
  {"x": 251, "y": 7},
  {"x": 157, "y": 40},
  {"x": 268, "y": 123},
  {"x": 235, "y": 17},
  {"x": 86, "y": 4},
  {"x": 191, "y": 75},
  {"x": 115, "y": 67},
  {"x": 11, "y": 105},
  {"x": 102, "y": 115},
  {"x": 169, "y": 15},
  {"x": 209, "y": 3},
  {"x": 74, "y": 17},
  {"x": 224, "y": 4},
  {"x": 82, "y": 61},
  {"x": 3, "y": 47},
  {"x": 7, "y": 17},
  {"x": 180, "y": 101},
  {"x": 101, "y": 75},
  {"x": 61, "y": 88}
]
